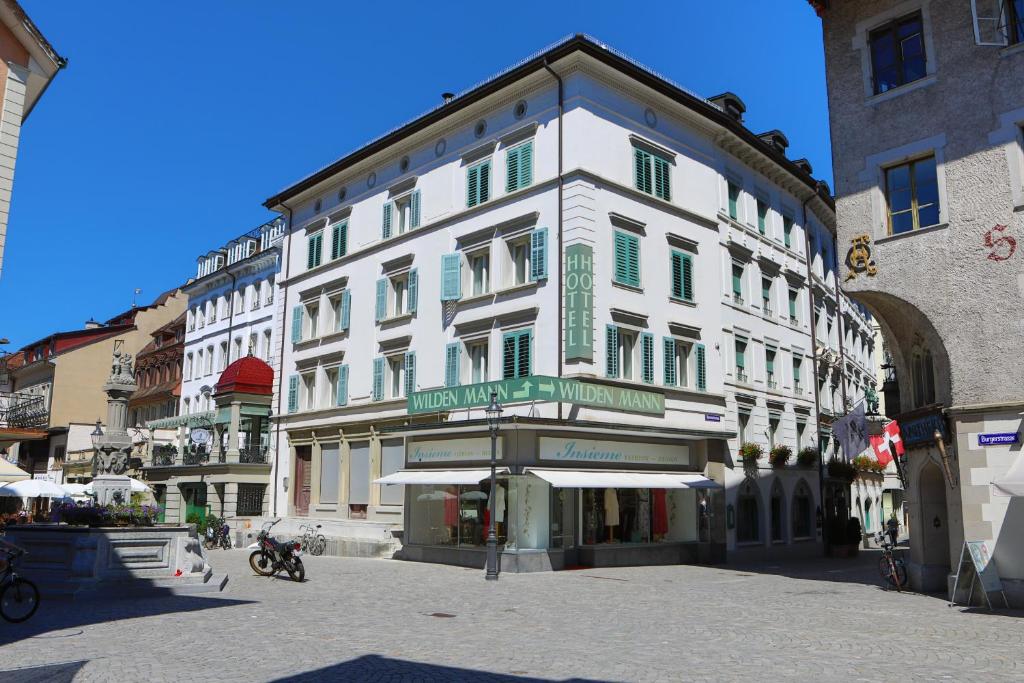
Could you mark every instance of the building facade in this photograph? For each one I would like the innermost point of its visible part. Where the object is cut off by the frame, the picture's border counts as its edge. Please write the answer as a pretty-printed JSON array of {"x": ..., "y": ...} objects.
[
  {"x": 641, "y": 307},
  {"x": 158, "y": 374},
  {"x": 926, "y": 110}
]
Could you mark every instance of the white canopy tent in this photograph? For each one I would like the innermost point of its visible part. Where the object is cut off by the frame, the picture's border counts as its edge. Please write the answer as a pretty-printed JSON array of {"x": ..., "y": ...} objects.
[
  {"x": 438, "y": 476},
  {"x": 1011, "y": 483},
  {"x": 137, "y": 486},
  {"x": 599, "y": 479},
  {"x": 32, "y": 488}
]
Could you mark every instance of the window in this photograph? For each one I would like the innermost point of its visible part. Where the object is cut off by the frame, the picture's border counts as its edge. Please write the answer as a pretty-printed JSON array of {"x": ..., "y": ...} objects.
[
  {"x": 777, "y": 506},
  {"x": 912, "y": 196},
  {"x": 747, "y": 518},
  {"x": 211, "y": 312},
  {"x": 190, "y": 321},
  {"x": 252, "y": 350},
  {"x": 451, "y": 364},
  {"x": 741, "y": 361},
  {"x": 675, "y": 362},
  {"x": 923, "y": 374},
  {"x": 237, "y": 350},
  {"x": 188, "y": 366},
  {"x": 478, "y": 183},
  {"x": 682, "y": 275},
  {"x": 793, "y": 317},
  {"x": 762, "y": 216},
  {"x": 651, "y": 174},
  {"x": 769, "y": 368},
  {"x": 803, "y": 521},
  {"x": 266, "y": 345},
  {"x": 516, "y": 354},
  {"x": 478, "y": 362},
  {"x": 773, "y": 429},
  {"x": 519, "y": 167},
  {"x": 250, "y": 500},
  {"x": 737, "y": 283},
  {"x": 331, "y": 387},
  {"x": 239, "y": 300},
  {"x": 200, "y": 319},
  {"x": 339, "y": 240},
  {"x": 200, "y": 368},
  {"x": 407, "y": 212},
  {"x": 308, "y": 398},
  {"x": 897, "y": 53},
  {"x": 188, "y": 405},
  {"x": 312, "y": 316},
  {"x": 402, "y": 374},
  {"x": 314, "y": 249},
  {"x": 800, "y": 427},
  {"x": 766, "y": 295},
  {"x": 998, "y": 22},
  {"x": 526, "y": 259},
  {"x": 341, "y": 310},
  {"x": 520, "y": 252},
  {"x": 397, "y": 295},
  {"x": 480, "y": 270},
  {"x": 627, "y": 259},
  {"x": 734, "y": 201},
  {"x": 797, "y": 367},
  {"x": 270, "y": 290},
  {"x": 223, "y": 363},
  {"x": 209, "y": 360}
]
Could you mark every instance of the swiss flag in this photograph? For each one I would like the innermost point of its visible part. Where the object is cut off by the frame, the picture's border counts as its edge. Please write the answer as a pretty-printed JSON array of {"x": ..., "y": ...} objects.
[{"x": 880, "y": 443}]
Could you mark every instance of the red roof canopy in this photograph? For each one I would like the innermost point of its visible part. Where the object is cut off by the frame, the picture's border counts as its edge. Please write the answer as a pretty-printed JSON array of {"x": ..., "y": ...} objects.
[{"x": 247, "y": 375}]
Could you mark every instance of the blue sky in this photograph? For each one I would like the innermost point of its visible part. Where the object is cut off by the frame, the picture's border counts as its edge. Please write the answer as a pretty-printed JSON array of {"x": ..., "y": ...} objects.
[{"x": 174, "y": 121}]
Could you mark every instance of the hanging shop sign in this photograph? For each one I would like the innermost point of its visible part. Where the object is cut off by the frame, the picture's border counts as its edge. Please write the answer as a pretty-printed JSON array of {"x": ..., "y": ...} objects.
[
  {"x": 452, "y": 450},
  {"x": 613, "y": 452},
  {"x": 198, "y": 435},
  {"x": 999, "y": 439},
  {"x": 538, "y": 388},
  {"x": 920, "y": 429},
  {"x": 579, "y": 302}
]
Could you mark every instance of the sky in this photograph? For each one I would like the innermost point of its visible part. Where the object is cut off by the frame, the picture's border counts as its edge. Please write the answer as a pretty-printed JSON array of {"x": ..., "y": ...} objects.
[{"x": 173, "y": 122}]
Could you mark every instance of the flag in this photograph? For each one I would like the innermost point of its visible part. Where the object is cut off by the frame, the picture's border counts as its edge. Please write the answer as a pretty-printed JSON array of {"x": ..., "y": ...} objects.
[
  {"x": 891, "y": 433},
  {"x": 851, "y": 432}
]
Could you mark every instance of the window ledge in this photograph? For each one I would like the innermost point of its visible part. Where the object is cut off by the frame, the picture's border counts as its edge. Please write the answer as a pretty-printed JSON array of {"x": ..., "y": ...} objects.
[
  {"x": 631, "y": 288},
  {"x": 396, "y": 320},
  {"x": 901, "y": 90},
  {"x": 682, "y": 302},
  {"x": 511, "y": 289},
  {"x": 476, "y": 298},
  {"x": 332, "y": 336},
  {"x": 920, "y": 231}
]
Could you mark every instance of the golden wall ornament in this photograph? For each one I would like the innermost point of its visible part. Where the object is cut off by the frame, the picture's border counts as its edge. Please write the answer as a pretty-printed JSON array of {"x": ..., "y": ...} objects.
[{"x": 858, "y": 258}]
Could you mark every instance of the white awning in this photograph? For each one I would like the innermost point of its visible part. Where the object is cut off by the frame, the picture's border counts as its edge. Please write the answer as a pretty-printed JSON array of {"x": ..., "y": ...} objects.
[
  {"x": 438, "y": 476},
  {"x": 1011, "y": 483},
  {"x": 598, "y": 479}
]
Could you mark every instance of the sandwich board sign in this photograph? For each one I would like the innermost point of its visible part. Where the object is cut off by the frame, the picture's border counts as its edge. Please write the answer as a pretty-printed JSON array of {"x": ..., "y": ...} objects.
[{"x": 976, "y": 562}]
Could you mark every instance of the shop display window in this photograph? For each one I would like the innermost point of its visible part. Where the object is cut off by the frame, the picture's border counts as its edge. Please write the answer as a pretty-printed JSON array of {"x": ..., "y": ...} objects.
[
  {"x": 456, "y": 515},
  {"x": 639, "y": 516}
]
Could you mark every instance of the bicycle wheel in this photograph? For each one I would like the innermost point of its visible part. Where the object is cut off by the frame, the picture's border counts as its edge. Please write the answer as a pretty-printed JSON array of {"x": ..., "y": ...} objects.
[
  {"x": 885, "y": 568},
  {"x": 319, "y": 546},
  {"x": 901, "y": 573},
  {"x": 19, "y": 600},
  {"x": 225, "y": 542},
  {"x": 261, "y": 563}
]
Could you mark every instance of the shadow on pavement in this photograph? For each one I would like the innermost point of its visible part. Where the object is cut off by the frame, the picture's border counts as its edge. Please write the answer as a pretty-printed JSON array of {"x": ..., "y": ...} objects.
[
  {"x": 48, "y": 673},
  {"x": 375, "y": 667},
  {"x": 55, "y": 616}
]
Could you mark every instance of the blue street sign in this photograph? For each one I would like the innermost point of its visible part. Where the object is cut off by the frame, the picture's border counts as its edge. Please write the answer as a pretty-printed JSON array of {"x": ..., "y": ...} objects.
[
  {"x": 999, "y": 439},
  {"x": 710, "y": 417}
]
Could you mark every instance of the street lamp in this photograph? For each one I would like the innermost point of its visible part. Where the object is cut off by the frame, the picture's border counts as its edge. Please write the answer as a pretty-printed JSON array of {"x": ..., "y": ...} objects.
[
  {"x": 96, "y": 435},
  {"x": 493, "y": 417}
]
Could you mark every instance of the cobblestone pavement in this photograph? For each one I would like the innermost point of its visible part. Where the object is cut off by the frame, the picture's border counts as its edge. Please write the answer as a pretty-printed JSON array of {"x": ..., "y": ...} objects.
[{"x": 379, "y": 620}]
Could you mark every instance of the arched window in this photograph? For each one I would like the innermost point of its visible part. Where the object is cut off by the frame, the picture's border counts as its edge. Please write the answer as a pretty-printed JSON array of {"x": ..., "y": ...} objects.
[
  {"x": 923, "y": 375},
  {"x": 777, "y": 510},
  {"x": 748, "y": 528},
  {"x": 803, "y": 514}
]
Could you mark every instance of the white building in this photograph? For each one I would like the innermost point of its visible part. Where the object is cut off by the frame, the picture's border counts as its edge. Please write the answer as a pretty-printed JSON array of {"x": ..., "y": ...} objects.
[{"x": 423, "y": 271}]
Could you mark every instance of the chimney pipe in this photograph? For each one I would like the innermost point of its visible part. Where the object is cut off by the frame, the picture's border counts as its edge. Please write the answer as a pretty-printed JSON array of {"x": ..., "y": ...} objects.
[{"x": 447, "y": 97}]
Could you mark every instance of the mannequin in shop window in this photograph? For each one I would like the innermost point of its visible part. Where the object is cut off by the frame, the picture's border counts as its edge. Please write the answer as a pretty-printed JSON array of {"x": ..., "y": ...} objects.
[
  {"x": 611, "y": 513},
  {"x": 499, "y": 516}
]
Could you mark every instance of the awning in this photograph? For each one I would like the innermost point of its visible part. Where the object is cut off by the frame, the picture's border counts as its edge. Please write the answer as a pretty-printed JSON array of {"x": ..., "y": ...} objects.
[
  {"x": 438, "y": 476},
  {"x": 1011, "y": 483},
  {"x": 598, "y": 479}
]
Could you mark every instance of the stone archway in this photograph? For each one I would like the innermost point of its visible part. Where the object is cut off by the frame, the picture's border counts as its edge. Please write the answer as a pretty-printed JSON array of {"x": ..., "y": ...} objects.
[{"x": 933, "y": 528}]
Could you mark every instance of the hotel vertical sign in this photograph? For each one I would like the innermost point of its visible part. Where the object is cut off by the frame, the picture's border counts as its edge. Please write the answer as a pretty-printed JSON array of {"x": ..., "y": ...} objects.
[{"x": 579, "y": 302}]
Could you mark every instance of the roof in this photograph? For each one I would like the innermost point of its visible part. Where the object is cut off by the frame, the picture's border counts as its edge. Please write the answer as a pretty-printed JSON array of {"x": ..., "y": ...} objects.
[
  {"x": 819, "y": 6},
  {"x": 45, "y": 63},
  {"x": 563, "y": 48},
  {"x": 247, "y": 375},
  {"x": 130, "y": 314}
]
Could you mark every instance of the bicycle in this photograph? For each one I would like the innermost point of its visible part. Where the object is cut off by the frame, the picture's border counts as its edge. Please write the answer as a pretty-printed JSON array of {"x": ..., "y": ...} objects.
[
  {"x": 313, "y": 541},
  {"x": 218, "y": 534},
  {"x": 19, "y": 597},
  {"x": 892, "y": 568}
]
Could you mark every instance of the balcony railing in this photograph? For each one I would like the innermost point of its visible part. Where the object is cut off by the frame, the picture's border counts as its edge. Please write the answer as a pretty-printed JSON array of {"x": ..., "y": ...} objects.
[
  {"x": 253, "y": 454},
  {"x": 164, "y": 455},
  {"x": 737, "y": 299},
  {"x": 196, "y": 457},
  {"x": 23, "y": 411},
  {"x": 740, "y": 375}
]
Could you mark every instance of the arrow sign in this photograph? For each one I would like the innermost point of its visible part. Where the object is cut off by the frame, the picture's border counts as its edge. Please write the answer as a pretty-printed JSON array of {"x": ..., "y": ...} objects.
[{"x": 524, "y": 391}]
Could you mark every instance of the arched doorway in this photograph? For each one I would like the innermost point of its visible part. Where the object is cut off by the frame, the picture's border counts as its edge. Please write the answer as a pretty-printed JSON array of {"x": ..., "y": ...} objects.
[
  {"x": 934, "y": 528},
  {"x": 778, "y": 507},
  {"x": 748, "y": 523}
]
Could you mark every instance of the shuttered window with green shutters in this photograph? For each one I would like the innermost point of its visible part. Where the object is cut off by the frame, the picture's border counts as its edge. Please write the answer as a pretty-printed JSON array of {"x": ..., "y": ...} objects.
[
  {"x": 339, "y": 240},
  {"x": 702, "y": 369},
  {"x": 627, "y": 259},
  {"x": 451, "y": 277},
  {"x": 342, "y": 397},
  {"x": 314, "y": 248},
  {"x": 478, "y": 183},
  {"x": 519, "y": 167},
  {"x": 413, "y": 293},
  {"x": 451, "y": 364},
  {"x": 516, "y": 348},
  {"x": 410, "y": 373},
  {"x": 651, "y": 174},
  {"x": 682, "y": 276},
  {"x": 414, "y": 209},
  {"x": 762, "y": 216},
  {"x": 293, "y": 393},
  {"x": 611, "y": 351},
  {"x": 787, "y": 231},
  {"x": 662, "y": 185},
  {"x": 382, "y": 299},
  {"x": 670, "y": 376},
  {"x": 647, "y": 357},
  {"x": 385, "y": 224},
  {"x": 346, "y": 310},
  {"x": 642, "y": 170},
  {"x": 734, "y": 201},
  {"x": 296, "y": 324},
  {"x": 539, "y": 254},
  {"x": 378, "y": 378}
]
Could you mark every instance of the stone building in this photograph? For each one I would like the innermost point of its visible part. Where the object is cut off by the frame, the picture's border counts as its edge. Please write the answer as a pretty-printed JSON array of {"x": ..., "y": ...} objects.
[
  {"x": 927, "y": 106},
  {"x": 158, "y": 373},
  {"x": 642, "y": 306}
]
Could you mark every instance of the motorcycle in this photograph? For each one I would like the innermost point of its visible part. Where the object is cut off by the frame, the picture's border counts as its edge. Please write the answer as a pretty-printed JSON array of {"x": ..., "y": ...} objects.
[{"x": 272, "y": 555}]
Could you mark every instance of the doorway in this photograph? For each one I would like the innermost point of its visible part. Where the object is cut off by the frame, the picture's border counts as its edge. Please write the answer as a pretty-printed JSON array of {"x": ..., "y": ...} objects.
[
  {"x": 303, "y": 479},
  {"x": 194, "y": 496},
  {"x": 934, "y": 526}
]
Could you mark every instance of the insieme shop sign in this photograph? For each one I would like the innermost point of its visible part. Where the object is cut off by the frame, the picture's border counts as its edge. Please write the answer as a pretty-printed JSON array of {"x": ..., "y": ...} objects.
[
  {"x": 452, "y": 450},
  {"x": 613, "y": 452}
]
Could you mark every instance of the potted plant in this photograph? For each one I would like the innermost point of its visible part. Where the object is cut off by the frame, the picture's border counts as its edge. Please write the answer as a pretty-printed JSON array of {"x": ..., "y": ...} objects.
[
  {"x": 780, "y": 455},
  {"x": 807, "y": 457},
  {"x": 841, "y": 470},
  {"x": 750, "y": 453}
]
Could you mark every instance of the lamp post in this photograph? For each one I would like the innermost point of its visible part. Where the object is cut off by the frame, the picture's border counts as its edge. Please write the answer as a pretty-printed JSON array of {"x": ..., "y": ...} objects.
[{"x": 493, "y": 417}]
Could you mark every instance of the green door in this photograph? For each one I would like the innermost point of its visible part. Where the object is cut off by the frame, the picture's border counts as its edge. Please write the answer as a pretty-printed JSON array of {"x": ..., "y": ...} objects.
[
  {"x": 160, "y": 495},
  {"x": 195, "y": 500}
]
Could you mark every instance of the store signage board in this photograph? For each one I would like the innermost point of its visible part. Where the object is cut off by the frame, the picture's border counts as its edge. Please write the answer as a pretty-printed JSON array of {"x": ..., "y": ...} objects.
[
  {"x": 579, "y": 302},
  {"x": 921, "y": 430},
  {"x": 999, "y": 439},
  {"x": 976, "y": 563},
  {"x": 612, "y": 452},
  {"x": 538, "y": 388},
  {"x": 452, "y": 450}
]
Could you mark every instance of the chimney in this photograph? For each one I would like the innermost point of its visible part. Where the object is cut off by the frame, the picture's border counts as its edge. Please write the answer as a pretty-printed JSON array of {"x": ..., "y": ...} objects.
[
  {"x": 447, "y": 97},
  {"x": 804, "y": 166},
  {"x": 775, "y": 139},
  {"x": 91, "y": 324},
  {"x": 731, "y": 104}
]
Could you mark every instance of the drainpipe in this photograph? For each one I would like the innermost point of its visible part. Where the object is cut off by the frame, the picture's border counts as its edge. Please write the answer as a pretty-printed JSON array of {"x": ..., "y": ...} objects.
[
  {"x": 280, "y": 364},
  {"x": 561, "y": 181},
  {"x": 814, "y": 382}
]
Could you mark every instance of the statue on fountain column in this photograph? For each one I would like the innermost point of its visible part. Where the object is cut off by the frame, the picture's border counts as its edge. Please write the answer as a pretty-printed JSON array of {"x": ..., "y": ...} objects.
[{"x": 113, "y": 452}]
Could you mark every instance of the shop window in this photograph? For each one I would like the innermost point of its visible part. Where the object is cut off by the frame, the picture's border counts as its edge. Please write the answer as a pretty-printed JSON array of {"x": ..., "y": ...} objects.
[
  {"x": 638, "y": 515},
  {"x": 330, "y": 464},
  {"x": 457, "y": 515},
  {"x": 391, "y": 460},
  {"x": 748, "y": 528},
  {"x": 359, "y": 480},
  {"x": 897, "y": 53}
]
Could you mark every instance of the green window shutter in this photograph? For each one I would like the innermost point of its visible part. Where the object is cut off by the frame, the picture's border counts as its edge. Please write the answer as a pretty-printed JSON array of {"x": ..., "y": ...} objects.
[
  {"x": 508, "y": 355},
  {"x": 642, "y": 170},
  {"x": 339, "y": 240},
  {"x": 526, "y": 164},
  {"x": 792, "y": 304},
  {"x": 410, "y": 373},
  {"x": 413, "y": 292},
  {"x": 634, "y": 260},
  {"x": 472, "y": 185},
  {"x": 293, "y": 393},
  {"x": 787, "y": 231},
  {"x": 682, "y": 276},
  {"x": 734, "y": 201},
  {"x": 342, "y": 398},
  {"x": 313, "y": 251},
  {"x": 485, "y": 181},
  {"x": 382, "y": 299},
  {"x": 451, "y": 364},
  {"x": 627, "y": 259},
  {"x": 669, "y": 345},
  {"x": 346, "y": 310},
  {"x": 451, "y": 277},
  {"x": 297, "y": 324},
  {"x": 661, "y": 179},
  {"x": 737, "y": 280},
  {"x": 517, "y": 354},
  {"x": 762, "y": 216},
  {"x": 414, "y": 209},
  {"x": 524, "y": 362},
  {"x": 741, "y": 355},
  {"x": 611, "y": 356},
  {"x": 512, "y": 170},
  {"x": 769, "y": 362},
  {"x": 621, "y": 257},
  {"x": 647, "y": 357},
  {"x": 702, "y": 369},
  {"x": 539, "y": 254},
  {"x": 687, "y": 277},
  {"x": 385, "y": 226},
  {"x": 378, "y": 378}
]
